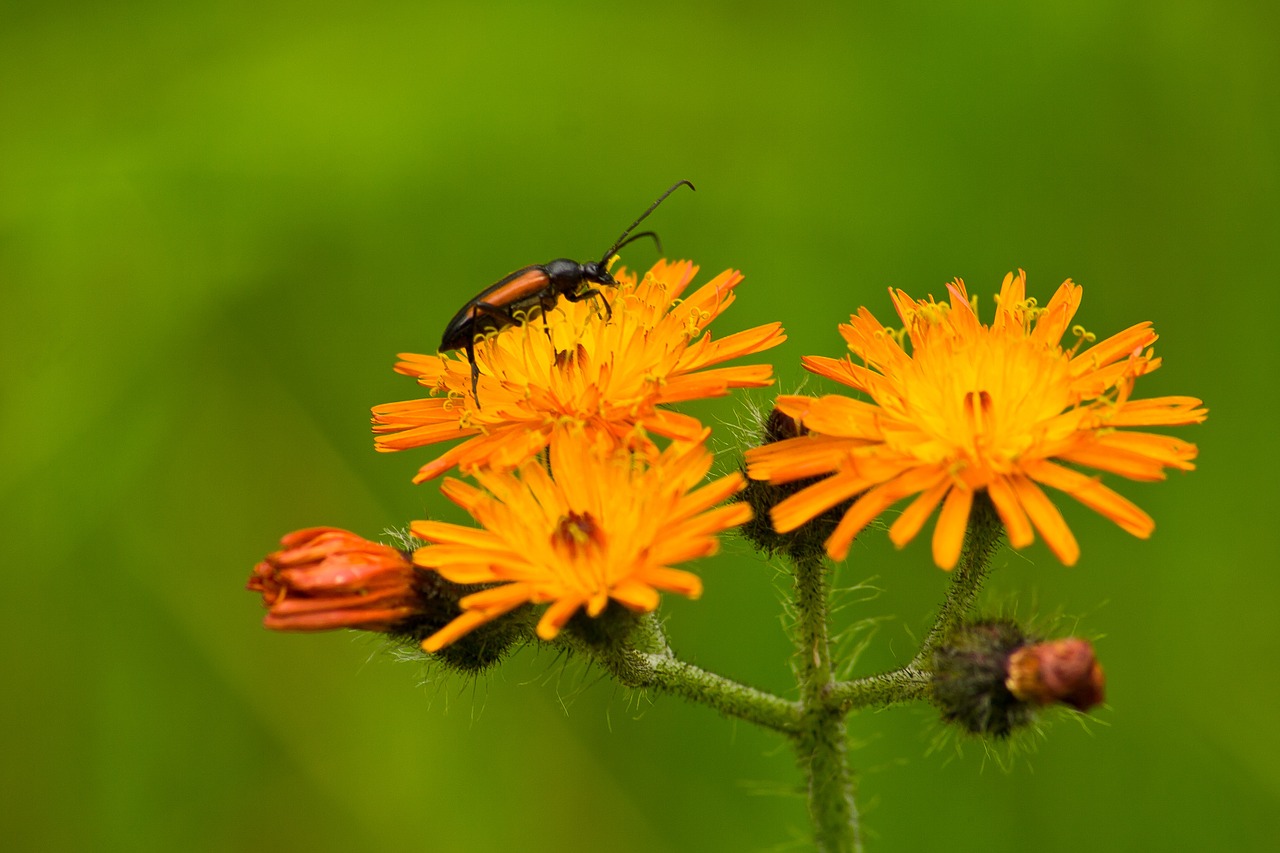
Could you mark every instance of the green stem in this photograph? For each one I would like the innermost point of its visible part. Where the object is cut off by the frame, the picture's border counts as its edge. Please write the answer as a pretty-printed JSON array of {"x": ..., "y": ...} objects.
[
  {"x": 647, "y": 661},
  {"x": 880, "y": 691},
  {"x": 820, "y": 743},
  {"x": 981, "y": 539},
  {"x": 816, "y": 724},
  {"x": 914, "y": 681},
  {"x": 727, "y": 696}
]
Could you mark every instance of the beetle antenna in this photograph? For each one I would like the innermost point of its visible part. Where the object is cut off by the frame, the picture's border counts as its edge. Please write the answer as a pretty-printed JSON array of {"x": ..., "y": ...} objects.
[
  {"x": 634, "y": 237},
  {"x": 622, "y": 240}
]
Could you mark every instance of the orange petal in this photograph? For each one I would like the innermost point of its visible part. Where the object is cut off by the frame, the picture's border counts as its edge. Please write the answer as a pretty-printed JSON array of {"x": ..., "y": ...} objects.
[
  {"x": 556, "y": 615},
  {"x": 1113, "y": 460},
  {"x": 1052, "y": 324},
  {"x": 673, "y": 425},
  {"x": 746, "y": 342},
  {"x": 1159, "y": 411},
  {"x": 441, "y": 464},
  {"x": 844, "y": 417},
  {"x": 715, "y": 383},
  {"x": 1048, "y": 520},
  {"x": 1090, "y": 492},
  {"x": 1016, "y": 524},
  {"x": 798, "y": 458},
  {"x": 874, "y": 502},
  {"x": 1118, "y": 346},
  {"x": 416, "y": 436},
  {"x": 948, "y": 534},
  {"x": 637, "y": 596},
  {"x": 812, "y": 501},
  {"x": 914, "y": 516},
  {"x": 674, "y": 580},
  {"x": 839, "y": 369},
  {"x": 459, "y": 627}
]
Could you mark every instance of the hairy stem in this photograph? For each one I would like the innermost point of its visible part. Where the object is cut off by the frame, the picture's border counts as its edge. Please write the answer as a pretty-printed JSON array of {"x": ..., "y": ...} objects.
[
  {"x": 981, "y": 539},
  {"x": 882, "y": 690},
  {"x": 815, "y": 724},
  {"x": 727, "y": 696},
  {"x": 820, "y": 743},
  {"x": 648, "y": 662}
]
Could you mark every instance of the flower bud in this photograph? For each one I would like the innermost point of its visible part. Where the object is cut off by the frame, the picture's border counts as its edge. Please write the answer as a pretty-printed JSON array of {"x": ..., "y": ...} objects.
[
  {"x": 1063, "y": 671},
  {"x": 990, "y": 678},
  {"x": 325, "y": 578},
  {"x": 806, "y": 541},
  {"x": 779, "y": 426}
]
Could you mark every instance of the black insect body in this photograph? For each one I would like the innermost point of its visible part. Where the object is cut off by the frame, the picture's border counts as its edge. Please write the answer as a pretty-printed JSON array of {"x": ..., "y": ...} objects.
[{"x": 512, "y": 300}]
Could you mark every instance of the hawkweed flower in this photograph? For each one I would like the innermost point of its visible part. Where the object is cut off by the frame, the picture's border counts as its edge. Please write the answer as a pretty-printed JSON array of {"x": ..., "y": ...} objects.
[
  {"x": 325, "y": 578},
  {"x": 971, "y": 407},
  {"x": 606, "y": 526},
  {"x": 583, "y": 370}
]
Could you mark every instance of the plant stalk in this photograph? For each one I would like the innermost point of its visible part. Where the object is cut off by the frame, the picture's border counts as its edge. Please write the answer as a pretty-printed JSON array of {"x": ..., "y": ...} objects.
[{"x": 821, "y": 744}]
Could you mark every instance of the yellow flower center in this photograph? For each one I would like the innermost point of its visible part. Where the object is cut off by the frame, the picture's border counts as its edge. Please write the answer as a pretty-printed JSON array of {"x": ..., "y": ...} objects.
[{"x": 981, "y": 398}]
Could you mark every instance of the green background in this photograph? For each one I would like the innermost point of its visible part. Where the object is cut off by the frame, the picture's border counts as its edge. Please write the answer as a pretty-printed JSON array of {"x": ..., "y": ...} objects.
[{"x": 219, "y": 223}]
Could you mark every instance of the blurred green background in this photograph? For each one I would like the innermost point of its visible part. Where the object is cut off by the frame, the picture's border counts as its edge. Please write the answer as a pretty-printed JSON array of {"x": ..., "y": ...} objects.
[{"x": 219, "y": 223}]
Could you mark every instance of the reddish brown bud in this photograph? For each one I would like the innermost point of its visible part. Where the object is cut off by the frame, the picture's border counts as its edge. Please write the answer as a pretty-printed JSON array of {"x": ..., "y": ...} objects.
[
  {"x": 325, "y": 578},
  {"x": 779, "y": 426},
  {"x": 1057, "y": 671}
]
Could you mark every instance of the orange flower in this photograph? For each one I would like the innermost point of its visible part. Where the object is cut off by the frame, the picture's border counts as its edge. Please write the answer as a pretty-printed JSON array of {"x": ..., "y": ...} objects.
[
  {"x": 580, "y": 371},
  {"x": 975, "y": 407},
  {"x": 607, "y": 526},
  {"x": 326, "y": 578}
]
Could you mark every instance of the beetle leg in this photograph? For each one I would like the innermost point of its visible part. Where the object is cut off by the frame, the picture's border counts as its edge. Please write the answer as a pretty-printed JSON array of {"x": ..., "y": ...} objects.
[
  {"x": 505, "y": 318},
  {"x": 546, "y": 327},
  {"x": 475, "y": 370},
  {"x": 587, "y": 294}
]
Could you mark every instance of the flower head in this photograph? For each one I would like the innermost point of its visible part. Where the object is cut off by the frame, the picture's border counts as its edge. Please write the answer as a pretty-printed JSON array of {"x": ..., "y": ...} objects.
[
  {"x": 607, "y": 526},
  {"x": 583, "y": 371},
  {"x": 972, "y": 407},
  {"x": 325, "y": 578}
]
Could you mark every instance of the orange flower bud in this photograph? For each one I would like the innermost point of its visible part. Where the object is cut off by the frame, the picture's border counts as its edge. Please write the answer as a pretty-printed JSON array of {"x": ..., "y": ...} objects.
[{"x": 325, "y": 578}]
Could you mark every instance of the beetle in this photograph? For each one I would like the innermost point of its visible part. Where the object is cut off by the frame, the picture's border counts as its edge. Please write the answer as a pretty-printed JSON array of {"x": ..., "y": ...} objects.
[{"x": 508, "y": 301}]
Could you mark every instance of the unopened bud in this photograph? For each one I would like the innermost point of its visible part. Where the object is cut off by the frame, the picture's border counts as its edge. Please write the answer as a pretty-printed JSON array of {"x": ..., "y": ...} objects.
[
  {"x": 779, "y": 426},
  {"x": 806, "y": 541},
  {"x": 969, "y": 675},
  {"x": 990, "y": 678},
  {"x": 325, "y": 578},
  {"x": 1063, "y": 671}
]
